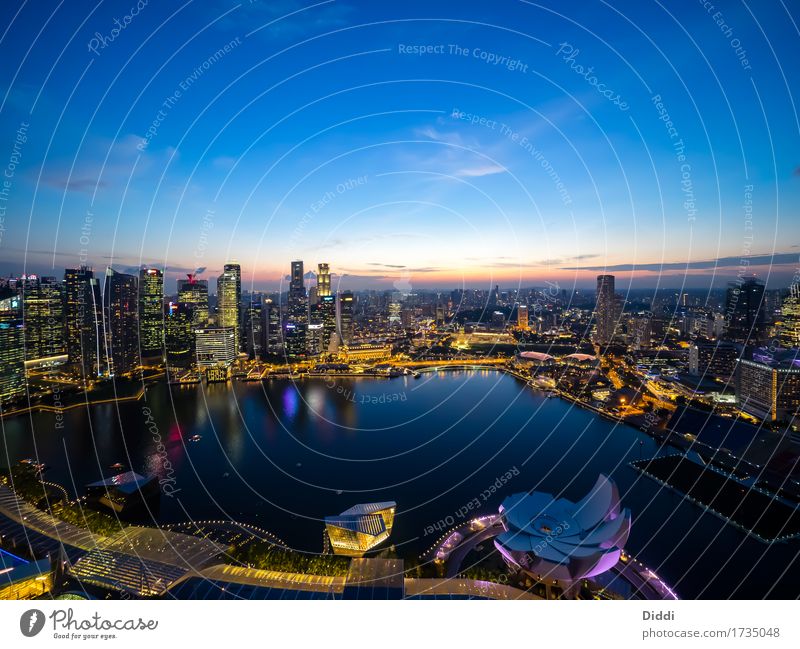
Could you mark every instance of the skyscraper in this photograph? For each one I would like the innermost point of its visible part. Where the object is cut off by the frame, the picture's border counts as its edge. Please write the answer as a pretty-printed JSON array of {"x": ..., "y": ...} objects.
[
  {"x": 84, "y": 320},
  {"x": 346, "y": 317},
  {"x": 271, "y": 312},
  {"x": 194, "y": 291},
  {"x": 254, "y": 327},
  {"x": 179, "y": 334},
  {"x": 605, "y": 310},
  {"x": 323, "y": 280},
  {"x": 789, "y": 333},
  {"x": 522, "y": 317},
  {"x": 327, "y": 315},
  {"x": 43, "y": 313},
  {"x": 229, "y": 299},
  {"x": 12, "y": 350},
  {"x": 215, "y": 346},
  {"x": 121, "y": 310},
  {"x": 744, "y": 311},
  {"x": 297, "y": 314},
  {"x": 151, "y": 312}
]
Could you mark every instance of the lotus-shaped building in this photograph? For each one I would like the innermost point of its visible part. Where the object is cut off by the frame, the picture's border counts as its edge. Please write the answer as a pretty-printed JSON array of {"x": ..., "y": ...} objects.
[{"x": 558, "y": 539}]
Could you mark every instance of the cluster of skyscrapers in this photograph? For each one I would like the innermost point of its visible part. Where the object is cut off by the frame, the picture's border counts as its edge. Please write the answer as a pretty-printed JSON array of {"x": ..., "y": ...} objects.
[{"x": 113, "y": 324}]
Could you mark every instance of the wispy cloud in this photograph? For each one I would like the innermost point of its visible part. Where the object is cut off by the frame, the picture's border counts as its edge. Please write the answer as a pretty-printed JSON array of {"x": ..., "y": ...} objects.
[{"x": 776, "y": 259}]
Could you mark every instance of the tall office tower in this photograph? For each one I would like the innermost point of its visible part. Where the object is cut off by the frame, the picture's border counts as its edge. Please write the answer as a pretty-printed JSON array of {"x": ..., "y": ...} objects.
[
  {"x": 271, "y": 313},
  {"x": 347, "y": 307},
  {"x": 83, "y": 315},
  {"x": 314, "y": 335},
  {"x": 744, "y": 310},
  {"x": 229, "y": 299},
  {"x": 789, "y": 333},
  {"x": 394, "y": 312},
  {"x": 715, "y": 359},
  {"x": 327, "y": 315},
  {"x": 254, "y": 327},
  {"x": 215, "y": 346},
  {"x": 494, "y": 296},
  {"x": 407, "y": 319},
  {"x": 12, "y": 351},
  {"x": 151, "y": 312},
  {"x": 43, "y": 313},
  {"x": 179, "y": 335},
  {"x": 297, "y": 314},
  {"x": 523, "y": 322},
  {"x": 605, "y": 310},
  {"x": 195, "y": 292},
  {"x": 121, "y": 311},
  {"x": 323, "y": 280},
  {"x": 640, "y": 331}
]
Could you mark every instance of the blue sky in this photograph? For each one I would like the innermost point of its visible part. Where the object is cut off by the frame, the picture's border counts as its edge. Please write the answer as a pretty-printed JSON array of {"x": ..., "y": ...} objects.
[{"x": 318, "y": 135}]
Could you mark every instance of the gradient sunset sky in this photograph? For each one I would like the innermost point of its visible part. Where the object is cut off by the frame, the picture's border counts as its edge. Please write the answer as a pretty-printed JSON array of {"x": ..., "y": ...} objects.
[{"x": 318, "y": 135}]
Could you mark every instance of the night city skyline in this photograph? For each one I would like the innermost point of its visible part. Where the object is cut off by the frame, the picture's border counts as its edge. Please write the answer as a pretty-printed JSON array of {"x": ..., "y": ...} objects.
[{"x": 432, "y": 301}]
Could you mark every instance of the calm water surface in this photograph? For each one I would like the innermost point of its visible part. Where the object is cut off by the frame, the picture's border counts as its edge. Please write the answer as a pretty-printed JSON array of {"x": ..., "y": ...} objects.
[{"x": 283, "y": 455}]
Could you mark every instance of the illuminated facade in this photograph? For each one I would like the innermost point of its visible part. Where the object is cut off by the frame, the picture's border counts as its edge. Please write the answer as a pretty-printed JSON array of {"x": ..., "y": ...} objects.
[
  {"x": 43, "y": 312},
  {"x": 789, "y": 333},
  {"x": 768, "y": 385},
  {"x": 151, "y": 312},
  {"x": 297, "y": 314},
  {"x": 12, "y": 351},
  {"x": 347, "y": 306},
  {"x": 215, "y": 346},
  {"x": 229, "y": 298},
  {"x": 327, "y": 314},
  {"x": 360, "y": 528},
  {"x": 84, "y": 320},
  {"x": 179, "y": 334},
  {"x": 522, "y": 318},
  {"x": 323, "y": 280},
  {"x": 362, "y": 353},
  {"x": 194, "y": 291},
  {"x": 551, "y": 538}
]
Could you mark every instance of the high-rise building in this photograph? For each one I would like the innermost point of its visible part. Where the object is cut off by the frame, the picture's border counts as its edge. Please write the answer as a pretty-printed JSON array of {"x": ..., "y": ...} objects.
[
  {"x": 215, "y": 346},
  {"x": 43, "y": 313},
  {"x": 789, "y": 333},
  {"x": 83, "y": 315},
  {"x": 297, "y": 314},
  {"x": 523, "y": 323},
  {"x": 179, "y": 334},
  {"x": 151, "y": 312},
  {"x": 254, "y": 327},
  {"x": 744, "y": 310},
  {"x": 768, "y": 384},
  {"x": 714, "y": 359},
  {"x": 229, "y": 299},
  {"x": 121, "y": 311},
  {"x": 347, "y": 307},
  {"x": 314, "y": 339},
  {"x": 271, "y": 312},
  {"x": 195, "y": 292},
  {"x": 605, "y": 310},
  {"x": 327, "y": 315},
  {"x": 323, "y": 280},
  {"x": 12, "y": 351}
]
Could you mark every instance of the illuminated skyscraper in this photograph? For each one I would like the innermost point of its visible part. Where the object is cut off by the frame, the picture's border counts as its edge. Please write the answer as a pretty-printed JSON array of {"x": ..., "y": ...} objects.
[
  {"x": 789, "y": 334},
  {"x": 605, "y": 310},
  {"x": 254, "y": 327},
  {"x": 151, "y": 312},
  {"x": 121, "y": 310},
  {"x": 271, "y": 313},
  {"x": 327, "y": 315},
  {"x": 297, "y": 314},
  {"x": 195, "y": 292},
  {"x": 215, "y": 346},
  {"x": 523, "y": 323},
  {"x": 347, "y": 308},
  {"x": 229, "y": 299},
  {"x": 179, "y": 334},
  {"x": 43, "y": 312},
  {"x": 12, "y": 350},
  {"x": 84, "y": 320},
  {"x": 323, "y": 280}
]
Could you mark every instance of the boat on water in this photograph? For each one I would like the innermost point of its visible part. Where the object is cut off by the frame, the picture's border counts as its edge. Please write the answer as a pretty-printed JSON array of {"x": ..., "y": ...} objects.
[
  {"x": 195, "y": 438},
  {"x": 117, "y": 466}
]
